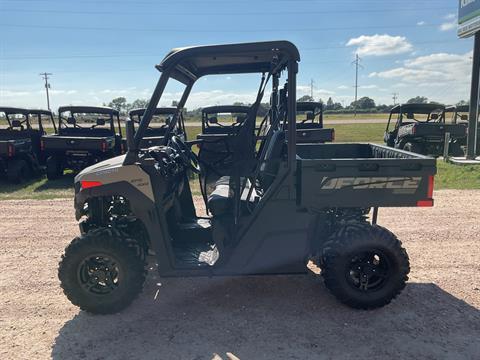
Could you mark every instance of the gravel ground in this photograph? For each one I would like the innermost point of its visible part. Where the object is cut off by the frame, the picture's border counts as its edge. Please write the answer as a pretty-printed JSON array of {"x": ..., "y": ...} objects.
[{"x": 281, "y": 317}]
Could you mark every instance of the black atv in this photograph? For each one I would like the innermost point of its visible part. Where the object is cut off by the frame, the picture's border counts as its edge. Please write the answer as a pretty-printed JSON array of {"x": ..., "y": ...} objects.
[
  {"x": 155, "y": 133},
  {"x": 310, "y": 129},
  {"x": 85, "y": 136},
  {"x": 281, "y": 205},
  {"x": 21, "y": 154},
  {"x": 421, "y": 128}
]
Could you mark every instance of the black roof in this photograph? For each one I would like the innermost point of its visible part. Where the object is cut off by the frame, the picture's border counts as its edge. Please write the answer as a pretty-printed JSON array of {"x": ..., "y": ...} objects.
[
  {"x": 88, "y": 109},
  {"x": 190, "y": 63},
  {"x": 39, "y": 112},
  {"x": 463, "y": 108},
  {"x": 14, "y": 110},
  {"x": 417, "y": 108},
  {"x": 309, "y": 106},
  {"x": 158, "y": 111},
  {"x": 226, "y": 109}
]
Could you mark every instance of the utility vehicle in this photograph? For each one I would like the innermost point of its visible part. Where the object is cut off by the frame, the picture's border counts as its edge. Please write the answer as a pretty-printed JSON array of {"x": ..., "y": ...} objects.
[
  {"x": 280, "y": 207},
  {"x": 155, "y": 133},
  {"x": 86, "y": 135},
  {"x": 421, "y": 128},
  {"x": 460, "y": 115},
  {"x": 21, "y": 155},
  {"x": 310, "y": 128}
]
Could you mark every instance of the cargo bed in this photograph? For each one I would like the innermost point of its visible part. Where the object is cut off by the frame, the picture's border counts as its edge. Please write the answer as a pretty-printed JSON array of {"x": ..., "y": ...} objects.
[
  {"x": 362, "y": 175},
  {"x": 78, "y": 143}
]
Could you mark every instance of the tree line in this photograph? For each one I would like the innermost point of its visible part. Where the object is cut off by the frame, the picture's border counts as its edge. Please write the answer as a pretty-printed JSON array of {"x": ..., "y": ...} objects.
[{"x": 362, "y": 105}]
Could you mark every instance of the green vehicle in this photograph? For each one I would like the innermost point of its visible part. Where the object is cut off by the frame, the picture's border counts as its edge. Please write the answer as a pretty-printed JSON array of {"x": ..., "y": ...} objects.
[
  {"x": 421, "y": 128},
  {"x": 281, "y": 206},
  {"x": 21, "y": 153}
]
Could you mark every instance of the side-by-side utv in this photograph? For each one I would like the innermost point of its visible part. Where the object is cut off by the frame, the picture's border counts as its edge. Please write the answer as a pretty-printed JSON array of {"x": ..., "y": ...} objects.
[
  {"x": 155, "y": 133},
  {"x": 421, "y": 128},
  {"x": 310, "y": 124},
  {"x": 21, "y": 155},
  {"x": 86, "y": 135},
  {"x": 281, "y": 205}
]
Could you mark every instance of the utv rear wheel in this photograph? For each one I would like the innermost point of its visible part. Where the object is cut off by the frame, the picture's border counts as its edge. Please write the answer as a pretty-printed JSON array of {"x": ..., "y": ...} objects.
[
  {"x": 364, "y": 266},
  {"x": 18, "y": 171},
  {"x": 413, "y": 147},
  {"x": 101, "y": 272},
  {"x": 54, "y": 168}
]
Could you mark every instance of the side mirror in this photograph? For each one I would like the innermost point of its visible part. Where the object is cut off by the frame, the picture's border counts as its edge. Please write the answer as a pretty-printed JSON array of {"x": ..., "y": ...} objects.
[
  {"x": 16, "y": 123},
  {"x": 213, "y": 120},
  {"x": 100, "y": 122},
  {"x": 310, "y": 116},
  {"x": 130, "y": 134},
  {"x": 71, "y": 121},
  {"x": 434, "y": 116},
  {"x": 464, "y": 117}
]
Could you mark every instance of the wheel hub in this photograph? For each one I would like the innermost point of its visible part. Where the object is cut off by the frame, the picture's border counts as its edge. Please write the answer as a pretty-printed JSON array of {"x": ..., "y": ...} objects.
[
  {"x": 368, "y": 271},
  {"x": 99, "y": 274}
]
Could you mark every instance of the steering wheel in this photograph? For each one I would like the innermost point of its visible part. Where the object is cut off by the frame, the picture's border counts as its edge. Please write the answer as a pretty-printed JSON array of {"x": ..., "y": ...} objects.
[{"x": 187, "y": 155}]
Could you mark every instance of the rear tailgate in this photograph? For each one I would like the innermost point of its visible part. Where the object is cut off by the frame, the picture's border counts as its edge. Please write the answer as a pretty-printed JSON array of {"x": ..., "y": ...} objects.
[
  {"x": 77, "y": 143},
  {"x": 362, "y": 175},
  {"x": 306, "y": 136},
  {"x": 11, "y": 147}
]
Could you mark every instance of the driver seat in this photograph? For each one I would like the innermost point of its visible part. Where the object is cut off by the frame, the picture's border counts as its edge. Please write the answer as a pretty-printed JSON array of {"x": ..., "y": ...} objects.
[{"x": 221, "y": 200}]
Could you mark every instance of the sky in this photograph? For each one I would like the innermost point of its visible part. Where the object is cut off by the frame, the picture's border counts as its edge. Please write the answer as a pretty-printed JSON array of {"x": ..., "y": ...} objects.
[{"x": 101, "y": 49}]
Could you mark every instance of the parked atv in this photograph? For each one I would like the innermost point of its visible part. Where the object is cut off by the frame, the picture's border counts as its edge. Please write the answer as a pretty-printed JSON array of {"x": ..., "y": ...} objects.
[
  {"x": 155, "y": 133},
  {"x": 421, "y": 128},
  {"x": 282, "y": 205},
  {"x": 20, "y": 153},
  {"x": 86, "y": 135},
  {"x": 310, "y": 129}
]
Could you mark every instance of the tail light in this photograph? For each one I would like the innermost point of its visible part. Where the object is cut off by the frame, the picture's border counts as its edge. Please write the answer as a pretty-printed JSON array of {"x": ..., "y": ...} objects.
[
  {"x": 104, "y": 146},
  {"x": 90, "y": 184},
  {"x": 11, "y": 150},
  {"x": 428, "y": 202},
  {"x": 42, "y": 145},
  {"x": 333, "y": 134},
  {"x": 122, "y": 148},
  {"x": 414, "y": 129}
]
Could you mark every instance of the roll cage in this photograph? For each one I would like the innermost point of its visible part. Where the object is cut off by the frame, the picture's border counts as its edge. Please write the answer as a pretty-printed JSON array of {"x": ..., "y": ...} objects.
[
  {"x": 241, "y": 113},
  {"x": 314, "y": 108},
  {"x": 29, "y": 115},
  {"x": 189, "y": 64},
  {"x": 408, "y": 111},
  {"x": 64, "y": 122},
  {"x": 136, "y": 116}
]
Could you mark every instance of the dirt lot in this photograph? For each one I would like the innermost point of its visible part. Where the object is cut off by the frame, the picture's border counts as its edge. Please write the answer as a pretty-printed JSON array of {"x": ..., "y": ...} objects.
[{"x": 288, "y": 317}]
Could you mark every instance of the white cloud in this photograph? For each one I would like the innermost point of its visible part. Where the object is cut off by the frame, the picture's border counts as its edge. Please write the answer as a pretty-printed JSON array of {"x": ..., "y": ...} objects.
[
  {"x": 13, "y": 93},
  {"x": 380, "y": 45},
  {"x": 446, "y": 75},
  {"x": 449, "y": 25},
  {"x": 343, "y": 87},
  {"x": 367, "y": 87},
  {"x": 421, "y": 23},
  {"x": 317, "y": 93}
]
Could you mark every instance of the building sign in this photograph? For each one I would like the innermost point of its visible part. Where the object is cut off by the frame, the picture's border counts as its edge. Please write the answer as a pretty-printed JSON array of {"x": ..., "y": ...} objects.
[{"x": 468, "y": 17}]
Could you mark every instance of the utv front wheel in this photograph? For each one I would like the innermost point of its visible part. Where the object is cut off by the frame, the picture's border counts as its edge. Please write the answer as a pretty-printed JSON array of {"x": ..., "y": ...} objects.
[
  {"x": 101, "y": 272},
  {"x": 364, "y": 266}
]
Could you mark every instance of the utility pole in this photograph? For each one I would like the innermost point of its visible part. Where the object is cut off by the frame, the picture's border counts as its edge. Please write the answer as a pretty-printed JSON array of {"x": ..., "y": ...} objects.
[
  {"x": 45, "y": 76},
  {"x": 395, "y": 97},
  {"x": 311, "y": 88},
  {"x": 357, "y": 65}
]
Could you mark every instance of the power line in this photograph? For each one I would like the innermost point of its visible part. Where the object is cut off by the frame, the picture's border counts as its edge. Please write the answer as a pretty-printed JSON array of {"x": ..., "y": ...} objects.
[
  {"x": 184, "y": 30},
  {"x": 239, "y": 13},
  {"x": 45, "y": 76},
  {"x": 138, "y": 55}
]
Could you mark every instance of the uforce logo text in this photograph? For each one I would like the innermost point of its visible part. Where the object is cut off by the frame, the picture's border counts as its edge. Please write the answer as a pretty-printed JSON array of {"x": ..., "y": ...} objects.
[{"x": 398, "y": 184}]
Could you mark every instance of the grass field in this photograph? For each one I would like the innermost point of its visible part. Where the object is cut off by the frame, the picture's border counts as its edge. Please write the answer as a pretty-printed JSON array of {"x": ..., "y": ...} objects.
[{"x": 449, "y": 176}]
